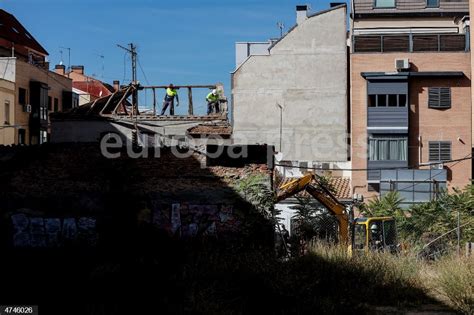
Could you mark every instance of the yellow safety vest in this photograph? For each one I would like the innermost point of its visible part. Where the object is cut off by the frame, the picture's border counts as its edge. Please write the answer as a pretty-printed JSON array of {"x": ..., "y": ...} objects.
[
  {"x": 211, "y": 97},
  {"x": 171, "y": 92}
]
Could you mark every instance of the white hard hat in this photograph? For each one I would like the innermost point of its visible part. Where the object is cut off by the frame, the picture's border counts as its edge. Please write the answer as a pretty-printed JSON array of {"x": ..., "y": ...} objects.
[
  {"x": 374, "y": 227},
  {"x": 214, "y": 91}
]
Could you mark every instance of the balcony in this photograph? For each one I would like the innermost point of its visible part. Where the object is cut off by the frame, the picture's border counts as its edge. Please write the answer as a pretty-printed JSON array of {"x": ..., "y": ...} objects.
[
  {"x": 413, "y": 7},
  {"x": 414, "y": 186},
  {"x": 409, "y": 43}
]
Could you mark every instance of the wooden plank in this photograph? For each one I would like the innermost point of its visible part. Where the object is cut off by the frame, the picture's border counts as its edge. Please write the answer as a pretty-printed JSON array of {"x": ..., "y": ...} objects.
[
  {"x": 190, "y": 101},
  {"x": 180, "y": 86},
  {"x": 154, "y": 102}
]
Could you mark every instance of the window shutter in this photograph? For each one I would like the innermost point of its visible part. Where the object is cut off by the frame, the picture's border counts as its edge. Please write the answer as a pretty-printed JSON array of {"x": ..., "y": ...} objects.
[
  {"x": 439, "y": 151},
  {"x": 445, "y": 151},
  {"x": 445, "y": 97},
  {"x": 439, "y": 97},
  {"x": 434, "y": 151}
]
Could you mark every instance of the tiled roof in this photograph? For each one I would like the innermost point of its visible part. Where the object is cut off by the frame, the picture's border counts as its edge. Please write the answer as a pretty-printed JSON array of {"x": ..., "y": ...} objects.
[
  {"x": 341, "y": 186},
  {"x": 12, "y": 30}
]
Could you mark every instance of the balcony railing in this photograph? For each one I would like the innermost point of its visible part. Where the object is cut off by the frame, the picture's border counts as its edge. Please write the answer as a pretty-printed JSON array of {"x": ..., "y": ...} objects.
[{"x": 409, "y": 43}]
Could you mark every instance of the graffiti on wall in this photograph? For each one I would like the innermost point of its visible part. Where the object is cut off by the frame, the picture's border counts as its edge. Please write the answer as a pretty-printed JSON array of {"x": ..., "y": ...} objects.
[
  {"x": 190, "y": 220},
  {"x": 52, "y": 232}
]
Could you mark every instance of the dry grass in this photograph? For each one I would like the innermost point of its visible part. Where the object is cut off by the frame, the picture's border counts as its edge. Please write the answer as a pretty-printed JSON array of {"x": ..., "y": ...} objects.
[
  {"x": 449, "y": 280},
  {"x": 452, "y": 278}
]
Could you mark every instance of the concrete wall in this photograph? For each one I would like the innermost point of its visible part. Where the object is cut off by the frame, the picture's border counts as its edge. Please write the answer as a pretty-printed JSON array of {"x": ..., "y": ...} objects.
[
  {"x": 87, "y": 130},
  {"x": 244, "y": 50},
  {"x": 306, "y": 74}
]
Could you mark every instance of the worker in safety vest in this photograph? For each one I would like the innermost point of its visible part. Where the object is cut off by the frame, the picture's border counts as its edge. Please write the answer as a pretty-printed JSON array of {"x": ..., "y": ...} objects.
[
  {"x": 212, "y": 102},
  {"x": 171, "y": 93}
]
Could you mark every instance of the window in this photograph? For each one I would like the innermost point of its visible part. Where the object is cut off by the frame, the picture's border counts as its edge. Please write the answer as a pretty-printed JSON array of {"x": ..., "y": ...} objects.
[
  {"x": 21, "y": 136},
  {"x": 56, "y": 104},
  {"x": 439, "y": 97},
  {"x": 432, "y": 3},
  {"x": 50, "y": 103},
  {"x": 22, "y": 96},
  {"x": 439, "y": 151},
  {"x": 388, "y": 148},
  {"x": 373, "y": 187},
  {"x": 385, "y": 3},
  {"x": 390, "y": 100},
  {"x": 7, "y": 112},
  {"x": 43, "y": 136}
]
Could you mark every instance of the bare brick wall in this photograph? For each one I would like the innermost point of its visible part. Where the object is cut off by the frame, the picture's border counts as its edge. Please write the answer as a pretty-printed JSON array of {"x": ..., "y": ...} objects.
[{"x": 42, "y": 187}]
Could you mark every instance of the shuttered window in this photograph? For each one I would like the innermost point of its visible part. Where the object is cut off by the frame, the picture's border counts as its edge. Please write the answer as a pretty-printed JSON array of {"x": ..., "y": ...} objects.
[
  {"x": 425, "y": 42},
  {"x": 439, "y": 151},
  {"x": 396, "y": 43},
  {"x": 452, "y": 42},
  {"x": 367, "y": 44},
  {"x": 439, "y": 97}
]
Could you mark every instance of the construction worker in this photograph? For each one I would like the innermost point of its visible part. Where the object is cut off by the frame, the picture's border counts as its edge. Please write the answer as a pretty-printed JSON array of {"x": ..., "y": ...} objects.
[
  {"x": 212, "y": 102},
  {"x": 171, "y": 93}
]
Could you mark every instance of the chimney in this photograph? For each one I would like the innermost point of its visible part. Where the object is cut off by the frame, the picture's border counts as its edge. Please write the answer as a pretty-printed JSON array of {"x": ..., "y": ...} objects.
[
  {"x": 116, "y": 85},
  {"x": 60, "y": 69},
  {"x": 301, "y": 13},
  {"x": 78, "y": 69}
]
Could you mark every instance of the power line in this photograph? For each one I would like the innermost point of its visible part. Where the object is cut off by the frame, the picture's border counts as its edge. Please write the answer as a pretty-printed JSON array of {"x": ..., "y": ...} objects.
[
  {"x": 375, "y": 169},
  {"x": 144, "y": 75}
]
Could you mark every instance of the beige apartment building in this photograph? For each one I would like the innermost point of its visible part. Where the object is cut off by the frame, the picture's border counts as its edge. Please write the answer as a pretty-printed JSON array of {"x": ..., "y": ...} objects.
[
  {"x": 28, "y": 90},
  {"x": 411, "y": 112}
]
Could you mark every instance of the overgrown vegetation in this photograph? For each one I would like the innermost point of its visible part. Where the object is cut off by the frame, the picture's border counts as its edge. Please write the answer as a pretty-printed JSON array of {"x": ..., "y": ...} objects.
[{"x": 424, "y": 222}]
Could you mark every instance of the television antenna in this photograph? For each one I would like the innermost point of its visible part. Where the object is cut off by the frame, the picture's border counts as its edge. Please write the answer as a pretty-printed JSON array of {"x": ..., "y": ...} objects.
[{"x": 281, "y": 26}]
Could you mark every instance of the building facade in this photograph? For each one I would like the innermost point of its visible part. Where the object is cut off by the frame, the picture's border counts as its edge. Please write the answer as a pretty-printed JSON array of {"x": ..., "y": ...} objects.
[
  {"x": 292, "y": 92},
  {"x": 87, "y": 87},
  {"x": 28, "y": 90},
  {"x": 411, "y": 112}
]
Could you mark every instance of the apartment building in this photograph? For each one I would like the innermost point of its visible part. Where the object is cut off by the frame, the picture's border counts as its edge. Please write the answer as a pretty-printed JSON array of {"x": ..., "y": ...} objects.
[
  {"x": 410, "y": 97},
  {"x": 28, "y": 90},
  {"x": 88, "y": 88},
  {"x": 292, "y": 92}
]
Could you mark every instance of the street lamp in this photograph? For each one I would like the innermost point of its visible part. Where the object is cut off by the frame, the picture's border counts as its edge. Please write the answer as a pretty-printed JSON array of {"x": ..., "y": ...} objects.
[{"x": 281, "y": 121}]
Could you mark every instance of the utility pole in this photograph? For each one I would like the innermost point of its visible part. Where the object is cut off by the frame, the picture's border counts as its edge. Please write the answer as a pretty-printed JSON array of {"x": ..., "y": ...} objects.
[{"x": 133, "y": 51}]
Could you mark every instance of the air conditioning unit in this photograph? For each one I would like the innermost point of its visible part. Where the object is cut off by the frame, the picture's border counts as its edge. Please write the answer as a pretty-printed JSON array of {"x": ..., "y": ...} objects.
[
  {"x": 437, "y": 166},
  {"x": 28, "y": 108},
  {"x": 402, "y": 64}
]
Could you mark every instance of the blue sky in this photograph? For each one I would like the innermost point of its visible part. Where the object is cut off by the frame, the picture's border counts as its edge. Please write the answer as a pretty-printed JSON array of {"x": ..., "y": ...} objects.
[{"x": 183, "y": 41}]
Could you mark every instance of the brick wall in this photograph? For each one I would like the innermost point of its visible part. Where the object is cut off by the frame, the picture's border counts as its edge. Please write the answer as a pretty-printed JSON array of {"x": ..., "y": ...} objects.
[
  {"x": 75, "y": 182},
  {"x": 429, "y": 123}
]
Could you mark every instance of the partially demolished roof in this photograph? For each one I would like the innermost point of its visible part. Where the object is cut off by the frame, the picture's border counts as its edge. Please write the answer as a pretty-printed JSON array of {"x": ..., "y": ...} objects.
[
  {"x": 107, "y": 105},
  {"x": 222, "y": 129}
]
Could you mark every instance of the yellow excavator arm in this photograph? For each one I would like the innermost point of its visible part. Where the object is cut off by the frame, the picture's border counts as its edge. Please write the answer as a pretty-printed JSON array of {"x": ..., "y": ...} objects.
[{"x": 321, "y": 194}]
